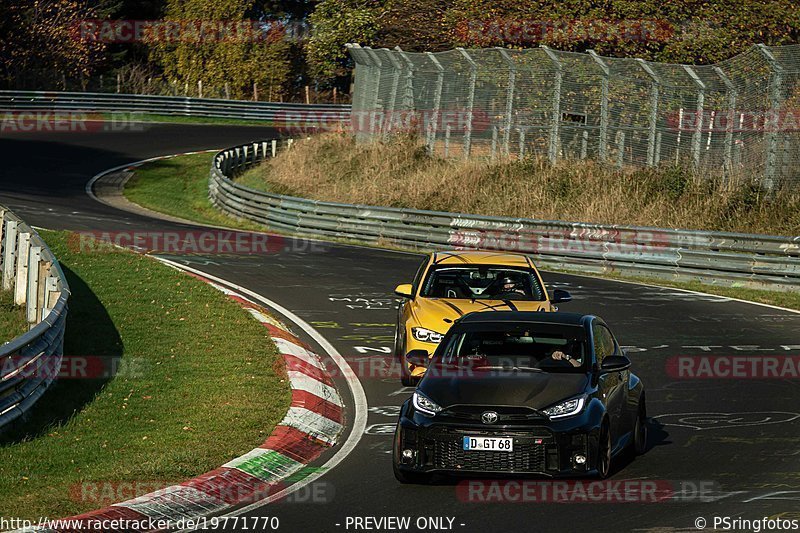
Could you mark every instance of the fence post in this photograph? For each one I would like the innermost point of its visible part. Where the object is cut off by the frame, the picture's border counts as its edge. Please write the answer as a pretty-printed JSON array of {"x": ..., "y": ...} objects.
[
  {"x": 727, "y": 161},
  {"x": 395, "y": 83},
  {"x": 512, "y": 79},
  {"x": 775, "y": 82},
  {"x": 23, "y": 246},
  {"x": 552, "y": 151},
  {"x": 521, "y": 132},
  {"x": 602, "y": 147},
  {"x": 408, "y": 90},
  {"x": 9, "y": 254},
  {"x": 373, "y": 109},
  {"x": 33, "y": 283},
  {"x": 697, "y": 136},
  {"x": 655, "y": 89},
  {"x": 473, "y": 78},
  {"x": 437, "y": 102}
]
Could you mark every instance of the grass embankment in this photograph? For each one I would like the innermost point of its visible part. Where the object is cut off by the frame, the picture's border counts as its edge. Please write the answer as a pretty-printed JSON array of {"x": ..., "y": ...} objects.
[
  {"x": 400, "y": 174},
  {"x": 199, "y": 383},
  {"x": 12, "y": 317},
  {"x": 179, "y": 186}
]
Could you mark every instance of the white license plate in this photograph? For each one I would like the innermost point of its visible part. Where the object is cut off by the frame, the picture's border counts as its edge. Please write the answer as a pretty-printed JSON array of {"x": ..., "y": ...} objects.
[{"x": 492, "y": 444}]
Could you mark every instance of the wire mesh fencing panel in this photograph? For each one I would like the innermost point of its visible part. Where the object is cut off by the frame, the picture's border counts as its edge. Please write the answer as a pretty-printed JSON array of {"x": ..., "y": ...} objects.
[{"x": 737, "y": 119}]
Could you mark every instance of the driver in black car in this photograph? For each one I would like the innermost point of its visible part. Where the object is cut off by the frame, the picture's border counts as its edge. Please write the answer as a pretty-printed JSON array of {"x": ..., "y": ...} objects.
[{"x": 565, "y": 354}]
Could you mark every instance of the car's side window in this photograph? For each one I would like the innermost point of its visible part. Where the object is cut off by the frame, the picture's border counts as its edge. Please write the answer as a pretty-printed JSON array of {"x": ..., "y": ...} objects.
[{"x": 603, "y": 342}]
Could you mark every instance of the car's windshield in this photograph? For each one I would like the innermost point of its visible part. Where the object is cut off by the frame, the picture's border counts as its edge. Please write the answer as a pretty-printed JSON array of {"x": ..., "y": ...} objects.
[
  {"x": 544, "y": 348},
  {"x": 482, "y": 282}
]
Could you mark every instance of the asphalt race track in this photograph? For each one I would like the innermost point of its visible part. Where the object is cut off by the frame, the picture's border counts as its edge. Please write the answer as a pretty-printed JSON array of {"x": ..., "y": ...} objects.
[{"x": 725, "y": 447}]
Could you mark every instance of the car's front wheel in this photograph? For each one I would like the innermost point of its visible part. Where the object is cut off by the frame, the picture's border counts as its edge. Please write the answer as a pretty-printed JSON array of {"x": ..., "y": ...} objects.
[
  {"x": 640, "y": 430},
  {"x": 399, "y": 353},
  {"x": 604, "y": 453}
]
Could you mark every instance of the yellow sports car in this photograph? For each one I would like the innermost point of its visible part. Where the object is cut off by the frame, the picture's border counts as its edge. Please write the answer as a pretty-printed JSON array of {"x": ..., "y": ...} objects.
[{"x": 451, "y": 284}]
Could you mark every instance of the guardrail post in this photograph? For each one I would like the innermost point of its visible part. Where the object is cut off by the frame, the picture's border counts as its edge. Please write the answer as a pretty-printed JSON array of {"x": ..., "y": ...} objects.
[
  {"x": 23, "y": 246},
  {"x": 727, "y": 161},
  {"x": 602, "y": 145},
  {"x": 555, "y": 121},
  {"x": 437, "y": 102},
  {"x": 775, "y": 83},
  {"x": 512, "y": 79},
  {"x": 33, "y": 283},
  {"x": 655, "y": 90},
  {"x": 697, "y": 136},
  {"x": 274, "y": 147},
  {"x": 494, "y": 142},
  {"x": 41, "y": 293},
  {"x": 473, "y": 78},
  {"x": 9, "y": 254},
  {"x": 521, "y": 133},
  {"x": 52, "y": 295}
]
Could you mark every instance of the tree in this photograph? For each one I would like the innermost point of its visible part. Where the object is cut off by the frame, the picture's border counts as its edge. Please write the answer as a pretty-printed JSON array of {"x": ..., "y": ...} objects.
[
  {"x": 217, "y": 43},
  {"x": 39, "y": 45}
]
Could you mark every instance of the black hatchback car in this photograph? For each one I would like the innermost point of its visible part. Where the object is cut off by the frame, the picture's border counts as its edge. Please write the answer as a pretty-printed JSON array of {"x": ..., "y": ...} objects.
[{"x": 512, "y": 392}]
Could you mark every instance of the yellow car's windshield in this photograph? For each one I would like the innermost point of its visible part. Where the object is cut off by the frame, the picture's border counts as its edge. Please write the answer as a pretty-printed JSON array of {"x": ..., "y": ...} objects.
[{"x": 476, "y": 282}]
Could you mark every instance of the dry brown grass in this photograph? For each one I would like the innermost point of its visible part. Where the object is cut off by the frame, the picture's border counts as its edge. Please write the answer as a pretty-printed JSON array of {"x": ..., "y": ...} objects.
[{"x": 332, "y": 167}]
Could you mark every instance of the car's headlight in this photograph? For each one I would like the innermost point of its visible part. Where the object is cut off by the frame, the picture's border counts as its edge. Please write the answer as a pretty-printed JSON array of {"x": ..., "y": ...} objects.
[
  {"x": 566, "y": 408},
  {"x": 427, "y": 335},
  {"x": 424, "y": 404}
]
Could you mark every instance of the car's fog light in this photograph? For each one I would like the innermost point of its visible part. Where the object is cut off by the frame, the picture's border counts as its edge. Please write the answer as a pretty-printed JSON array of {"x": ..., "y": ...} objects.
[
  {"x": 408, "y": 456},
  {"x": 579, "y": 459}
]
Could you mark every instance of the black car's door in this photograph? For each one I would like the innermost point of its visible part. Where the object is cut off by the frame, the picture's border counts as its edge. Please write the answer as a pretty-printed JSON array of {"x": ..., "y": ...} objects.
[{"x": 612, "y": 384}]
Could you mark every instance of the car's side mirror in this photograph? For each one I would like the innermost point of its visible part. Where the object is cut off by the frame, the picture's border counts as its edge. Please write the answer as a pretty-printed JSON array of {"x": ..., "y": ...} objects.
[
  {"x": 403, "y": 290},
  {"x": 560, "y": 296},
  {"x": 615, "y": 363},
  {"x": 417, "y": 357}
]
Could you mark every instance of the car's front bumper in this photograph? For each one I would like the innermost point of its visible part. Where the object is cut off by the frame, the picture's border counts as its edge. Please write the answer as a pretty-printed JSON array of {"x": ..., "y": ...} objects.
[{"x": 552, "y": 448}]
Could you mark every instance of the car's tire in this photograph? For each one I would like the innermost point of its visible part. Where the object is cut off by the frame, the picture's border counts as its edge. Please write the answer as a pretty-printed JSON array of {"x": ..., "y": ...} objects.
[
  {"x": 410, "y": 478},
  {"x": 640, "y": 430},
  {"x": 399, "y": 351},
  {"x": 604, "y": 453}
]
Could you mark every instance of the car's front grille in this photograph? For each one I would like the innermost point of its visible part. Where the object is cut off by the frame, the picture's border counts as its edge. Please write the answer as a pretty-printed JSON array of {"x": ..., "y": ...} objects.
[{"x": 529, "y": 455}]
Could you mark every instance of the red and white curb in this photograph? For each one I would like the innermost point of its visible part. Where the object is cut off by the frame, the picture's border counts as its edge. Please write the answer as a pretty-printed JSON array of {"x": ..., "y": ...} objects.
[{"x": 312, "y": 424}]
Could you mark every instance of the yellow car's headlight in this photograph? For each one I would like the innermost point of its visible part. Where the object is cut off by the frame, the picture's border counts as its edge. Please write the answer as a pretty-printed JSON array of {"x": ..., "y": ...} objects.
[{"x": 427, "y": 335}]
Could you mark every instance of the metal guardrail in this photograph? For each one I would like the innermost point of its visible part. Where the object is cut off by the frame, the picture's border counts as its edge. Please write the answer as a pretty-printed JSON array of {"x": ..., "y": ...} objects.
[
  {"x": 30, "y": 362},
  {"x": 759, "y": 261},
  {"x": 173, "y": 105}
]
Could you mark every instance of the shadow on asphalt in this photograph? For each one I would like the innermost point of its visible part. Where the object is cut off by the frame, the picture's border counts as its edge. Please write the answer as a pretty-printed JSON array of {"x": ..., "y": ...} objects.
[{"x": 90, "y": 333}]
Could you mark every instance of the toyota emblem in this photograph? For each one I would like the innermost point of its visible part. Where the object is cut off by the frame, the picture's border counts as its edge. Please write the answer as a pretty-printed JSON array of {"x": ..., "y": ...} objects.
[{"x": 489, "y": 417}]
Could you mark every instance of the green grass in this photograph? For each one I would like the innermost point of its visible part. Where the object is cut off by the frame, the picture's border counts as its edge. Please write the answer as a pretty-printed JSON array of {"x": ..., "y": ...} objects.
[
  {"x": 207, "y": 386},
  {"x": 12, "y": 317},
  {"x": 179, "y": 186}
]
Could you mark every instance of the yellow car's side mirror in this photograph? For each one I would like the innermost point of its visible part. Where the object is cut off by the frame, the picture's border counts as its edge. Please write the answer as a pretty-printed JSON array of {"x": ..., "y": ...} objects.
[{"x": 403, "y": 290}]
